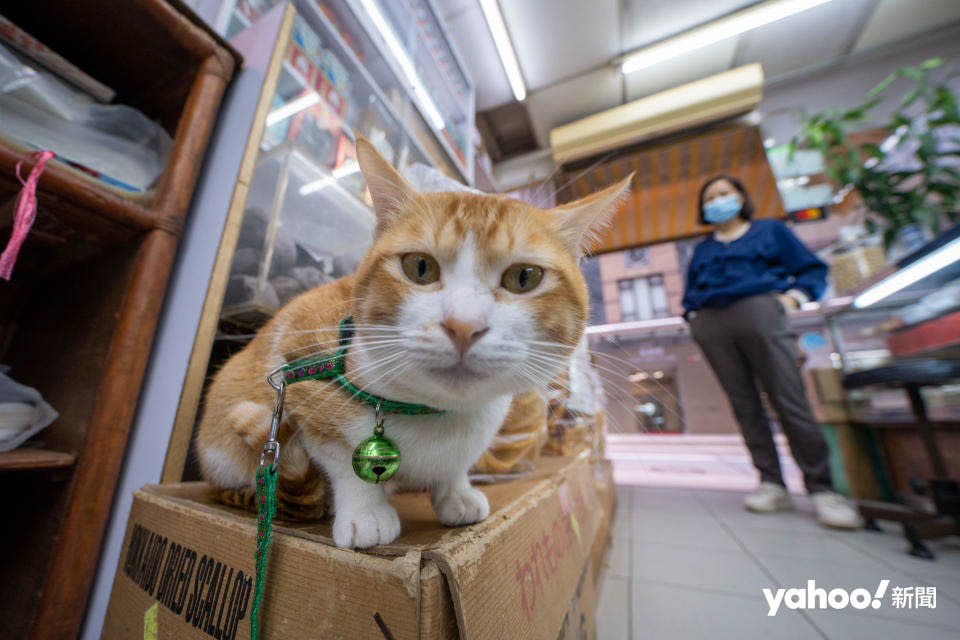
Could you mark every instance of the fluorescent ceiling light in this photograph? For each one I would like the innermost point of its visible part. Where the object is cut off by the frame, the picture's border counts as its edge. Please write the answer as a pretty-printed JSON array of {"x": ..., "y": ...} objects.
[
  {"x": 508, "y": 57},
  {"x": 295, "y": 106},
  {"x": 913, "y": 272},
  {"x": 405, "y": 65},
  {"x": 713, "y": 32}
]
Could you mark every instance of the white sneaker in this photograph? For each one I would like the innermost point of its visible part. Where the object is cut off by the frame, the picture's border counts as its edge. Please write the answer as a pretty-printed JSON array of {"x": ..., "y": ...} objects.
[
  {"x": 769, "y": 497},
  {"x": 833, "y": 510}
]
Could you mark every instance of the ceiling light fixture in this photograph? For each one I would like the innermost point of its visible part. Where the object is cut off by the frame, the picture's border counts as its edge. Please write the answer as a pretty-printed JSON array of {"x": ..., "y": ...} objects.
[
  {"x": 433, "y": 114},
  {"x": 713, "y": 32},
  {"x": 508, "y": 57},
  {"x": 910, "y": 274}
]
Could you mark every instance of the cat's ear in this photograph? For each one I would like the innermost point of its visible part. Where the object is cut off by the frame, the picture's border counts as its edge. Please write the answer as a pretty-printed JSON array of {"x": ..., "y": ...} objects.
[
  {"x": 581, "y": 222},
  {"x": 388, "y": 188}
]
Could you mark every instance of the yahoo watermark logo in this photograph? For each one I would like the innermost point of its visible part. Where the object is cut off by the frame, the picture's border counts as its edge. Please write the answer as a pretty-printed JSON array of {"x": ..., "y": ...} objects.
[{"x": 814, "y": 597}]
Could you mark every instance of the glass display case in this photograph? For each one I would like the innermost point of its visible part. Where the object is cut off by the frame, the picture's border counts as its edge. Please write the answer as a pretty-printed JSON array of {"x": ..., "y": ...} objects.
[
  {"x": 308, "y": 216},
  {"x": 404, "y": 51},
  {"x": 437, "y": 82},
  {"x": 909, "y": 313}
]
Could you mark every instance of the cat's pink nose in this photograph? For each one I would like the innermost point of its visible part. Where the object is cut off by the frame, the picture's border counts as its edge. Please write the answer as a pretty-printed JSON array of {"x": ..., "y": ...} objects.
[{"x": 463, "y": 334}]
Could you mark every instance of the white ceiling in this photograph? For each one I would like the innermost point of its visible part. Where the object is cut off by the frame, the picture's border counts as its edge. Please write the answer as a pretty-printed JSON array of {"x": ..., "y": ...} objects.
[{"x": 566, "y": 47}]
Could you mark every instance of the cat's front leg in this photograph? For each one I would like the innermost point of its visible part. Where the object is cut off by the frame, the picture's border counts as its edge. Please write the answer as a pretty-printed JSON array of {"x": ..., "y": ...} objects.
[
  {"x": 362, "y": 516},
  {"x": 457, "y": 503}
]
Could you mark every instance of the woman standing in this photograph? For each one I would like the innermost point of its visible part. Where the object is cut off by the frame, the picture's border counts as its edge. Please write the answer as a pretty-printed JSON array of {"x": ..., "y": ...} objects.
[{"x": 742, "y": 280}]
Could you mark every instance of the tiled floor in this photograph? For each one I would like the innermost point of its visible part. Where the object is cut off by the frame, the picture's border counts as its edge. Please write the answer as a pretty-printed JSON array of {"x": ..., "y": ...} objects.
[{"x": 691, "y": 563}]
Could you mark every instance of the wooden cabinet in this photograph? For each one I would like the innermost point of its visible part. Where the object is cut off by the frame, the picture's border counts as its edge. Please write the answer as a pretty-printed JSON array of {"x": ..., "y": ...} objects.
[{"x": 78, "y": 318}]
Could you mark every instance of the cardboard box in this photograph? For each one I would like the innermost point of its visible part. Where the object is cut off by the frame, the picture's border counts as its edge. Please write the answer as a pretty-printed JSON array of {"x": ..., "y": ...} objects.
[
  {"x": 530, "y": 570},
  {"x": 826, "y": 394},
  {"x": 852, "y": 469}
]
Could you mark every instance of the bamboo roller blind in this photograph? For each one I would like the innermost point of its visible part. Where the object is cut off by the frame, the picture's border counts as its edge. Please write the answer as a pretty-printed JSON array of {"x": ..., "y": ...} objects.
[{"x": 662, "y": 204}]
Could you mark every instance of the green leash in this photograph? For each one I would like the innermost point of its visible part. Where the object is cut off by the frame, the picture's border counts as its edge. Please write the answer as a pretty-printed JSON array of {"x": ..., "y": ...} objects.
[
  {"x": 375, "y": 460},
  {"x": 266, "y": 508}
]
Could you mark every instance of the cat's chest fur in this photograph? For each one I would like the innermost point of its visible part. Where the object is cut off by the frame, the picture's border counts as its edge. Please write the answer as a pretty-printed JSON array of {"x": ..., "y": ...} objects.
[{"x": 435, "y": 448}]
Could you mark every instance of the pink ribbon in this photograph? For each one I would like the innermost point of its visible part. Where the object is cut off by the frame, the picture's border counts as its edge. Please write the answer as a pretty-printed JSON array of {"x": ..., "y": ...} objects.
[{"x": 24, "y": 212}]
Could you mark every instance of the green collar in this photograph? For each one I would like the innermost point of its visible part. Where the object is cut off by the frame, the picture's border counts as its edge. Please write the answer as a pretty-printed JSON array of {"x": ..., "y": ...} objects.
[{"x": 334, "y": 368}]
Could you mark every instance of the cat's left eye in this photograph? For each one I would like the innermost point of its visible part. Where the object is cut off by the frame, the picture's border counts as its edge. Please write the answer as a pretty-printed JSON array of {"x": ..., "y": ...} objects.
[
  {"x": 521, "y": 278},
  {"x": 422, "y": 268}
]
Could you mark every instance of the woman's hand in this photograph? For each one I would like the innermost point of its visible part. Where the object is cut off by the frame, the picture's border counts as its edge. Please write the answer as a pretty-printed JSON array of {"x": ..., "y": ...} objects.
[{"x": 789, "y": 302}]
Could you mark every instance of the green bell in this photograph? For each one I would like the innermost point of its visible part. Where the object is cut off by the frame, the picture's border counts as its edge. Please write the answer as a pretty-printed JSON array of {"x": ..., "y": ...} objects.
[{"x": 376, "y": 459}]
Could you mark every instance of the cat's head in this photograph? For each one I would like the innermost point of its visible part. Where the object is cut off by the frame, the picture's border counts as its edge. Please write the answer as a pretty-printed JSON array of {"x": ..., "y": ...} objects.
[{"x": 481, "y": 295}]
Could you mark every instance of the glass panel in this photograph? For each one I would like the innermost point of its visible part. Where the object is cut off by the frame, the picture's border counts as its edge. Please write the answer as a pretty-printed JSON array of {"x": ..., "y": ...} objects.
[
  {"x": 308, "y": 216},
  {"x": 436, "y": 65},
  {"x": 659, "y": 296},
  {"x": 360, "y": 45},
  {"x": 628, "y": 307}
]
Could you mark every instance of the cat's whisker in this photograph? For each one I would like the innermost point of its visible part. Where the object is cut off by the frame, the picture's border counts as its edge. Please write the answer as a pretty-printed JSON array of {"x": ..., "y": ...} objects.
[
  {"x": 364, "y": 338},
  {"x": 620, "y": 374},
  {"x": 335, "y": 346},
  {"x": 366, "y": 385},
  {"x": 545, "y": 182},
  {"x": 381, "y": 359},
  {"x": 261, "y": 380},
  {"x": 335, "y": 328},
  {"x": 333, "y": 414},
  {"x": 632, "y": 365},
  {"x": 370, "y": 344},
  {"x": 596, "y": 164},
  {"x": 624, "y": 390},
  {"x": 319, "y": 353},
  {"x": 539, "y": 380},
  {"x": 635, "y": 367},
  {"x": 334, "y": 410}
]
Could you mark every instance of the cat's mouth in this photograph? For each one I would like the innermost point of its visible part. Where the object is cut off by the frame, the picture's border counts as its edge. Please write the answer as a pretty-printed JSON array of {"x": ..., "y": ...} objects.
[{"x": 459, "y": 372}]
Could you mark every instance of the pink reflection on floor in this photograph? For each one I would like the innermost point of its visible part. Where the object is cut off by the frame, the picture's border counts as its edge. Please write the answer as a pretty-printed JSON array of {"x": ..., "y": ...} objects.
[{"x": 692, "y": 461}]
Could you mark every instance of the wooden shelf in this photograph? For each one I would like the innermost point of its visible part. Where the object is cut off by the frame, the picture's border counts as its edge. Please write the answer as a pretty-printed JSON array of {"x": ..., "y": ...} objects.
[
  {"x": 87, "y": 291},
  {"x": 35, "y": 459}
]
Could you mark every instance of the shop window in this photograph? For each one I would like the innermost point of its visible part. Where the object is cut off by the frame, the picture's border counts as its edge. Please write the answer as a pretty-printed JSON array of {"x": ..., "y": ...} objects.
[{"x": 643, "y": 298}]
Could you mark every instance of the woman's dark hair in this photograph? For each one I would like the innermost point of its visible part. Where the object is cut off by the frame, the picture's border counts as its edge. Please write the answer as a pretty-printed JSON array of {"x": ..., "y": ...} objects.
[{"x": 746, "y": 211}]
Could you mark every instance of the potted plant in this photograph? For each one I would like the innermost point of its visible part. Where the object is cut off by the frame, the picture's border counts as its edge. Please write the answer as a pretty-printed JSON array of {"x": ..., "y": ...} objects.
[{"x": 910, "y": 183}]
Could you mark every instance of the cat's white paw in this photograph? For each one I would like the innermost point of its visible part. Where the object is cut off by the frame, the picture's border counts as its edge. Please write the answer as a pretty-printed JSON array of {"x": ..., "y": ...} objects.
[
  {"x": 462, "y": 506},
  {"x": 366, "y": 527}
]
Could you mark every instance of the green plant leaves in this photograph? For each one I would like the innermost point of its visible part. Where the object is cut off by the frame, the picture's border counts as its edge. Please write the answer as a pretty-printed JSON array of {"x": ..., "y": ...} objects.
[
  {"x": 859, "y": 113},
  {"x": 911, "y": 96},
  {"x": 898, "y": 197},
  {"x": 882, "y": 86}
]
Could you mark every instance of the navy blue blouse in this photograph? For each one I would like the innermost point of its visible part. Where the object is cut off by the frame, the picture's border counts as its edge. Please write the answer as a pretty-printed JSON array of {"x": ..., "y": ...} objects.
[{"x": 768, "y": 257}]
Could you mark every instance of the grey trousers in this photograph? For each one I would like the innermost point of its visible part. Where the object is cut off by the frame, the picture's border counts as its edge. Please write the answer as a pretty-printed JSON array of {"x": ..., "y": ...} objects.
[{"x": 752, "y": 340}]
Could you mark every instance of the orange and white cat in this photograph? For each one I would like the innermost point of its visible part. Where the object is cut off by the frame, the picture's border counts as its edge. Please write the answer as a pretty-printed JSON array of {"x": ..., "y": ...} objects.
[{"x": 462, "y": 301}]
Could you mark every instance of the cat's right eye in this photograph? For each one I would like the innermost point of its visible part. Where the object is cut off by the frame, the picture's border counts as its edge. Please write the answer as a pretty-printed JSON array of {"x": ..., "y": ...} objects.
[{"x": 421, "y": 268}]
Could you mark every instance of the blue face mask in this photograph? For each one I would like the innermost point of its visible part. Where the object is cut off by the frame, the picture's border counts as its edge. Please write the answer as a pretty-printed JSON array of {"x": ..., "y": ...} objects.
[{"x": 721, "y": 209}]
